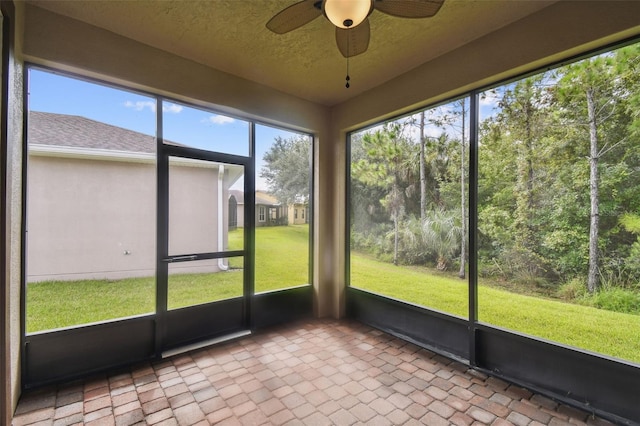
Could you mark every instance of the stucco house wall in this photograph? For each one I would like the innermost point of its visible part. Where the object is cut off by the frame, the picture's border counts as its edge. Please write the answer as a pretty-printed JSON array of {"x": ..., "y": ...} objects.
[
  {"x": 89, "y": 219},
  {"x": 194, "y": 213},
  {"x": 92, "y": 211}
]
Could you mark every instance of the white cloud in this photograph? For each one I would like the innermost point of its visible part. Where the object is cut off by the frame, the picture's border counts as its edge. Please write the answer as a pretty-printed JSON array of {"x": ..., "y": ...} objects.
[
  {"x": 141, "y": 105},
  {"x": 490, "y": 98},
  {"x": 219, "y": 119},
  {"x": 171, "y": 108}
]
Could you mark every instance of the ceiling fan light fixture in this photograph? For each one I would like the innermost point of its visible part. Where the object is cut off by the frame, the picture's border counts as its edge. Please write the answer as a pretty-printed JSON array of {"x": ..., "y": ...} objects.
[{"x": 347, "y": 13}]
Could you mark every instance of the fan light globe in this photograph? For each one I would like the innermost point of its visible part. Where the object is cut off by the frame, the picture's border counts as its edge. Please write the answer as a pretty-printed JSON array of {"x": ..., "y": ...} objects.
[{"x": 347, "y": 13}]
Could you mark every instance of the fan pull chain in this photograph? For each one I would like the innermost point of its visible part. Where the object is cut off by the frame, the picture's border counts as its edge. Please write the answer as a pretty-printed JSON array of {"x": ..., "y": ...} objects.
[{"x": 348, "y": 78}]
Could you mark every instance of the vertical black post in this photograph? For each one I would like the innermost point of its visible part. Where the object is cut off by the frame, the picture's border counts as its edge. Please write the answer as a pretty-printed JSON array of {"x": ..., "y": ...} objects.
[
  {"x": 249, "y": 228},
  {"x": 473, "y": 224},
  {"x": 162, "y": 231}
]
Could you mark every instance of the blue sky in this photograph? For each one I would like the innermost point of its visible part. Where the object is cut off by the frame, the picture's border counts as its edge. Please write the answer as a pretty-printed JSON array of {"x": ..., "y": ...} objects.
[
  {"x": 50, "y": 92},
  {"x": 184, "y": 124},
  {"x": 488, "y": 107}
]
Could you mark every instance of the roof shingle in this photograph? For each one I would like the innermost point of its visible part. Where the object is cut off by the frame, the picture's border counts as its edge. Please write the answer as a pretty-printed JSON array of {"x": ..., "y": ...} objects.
[{"x": 47, "y": 128}]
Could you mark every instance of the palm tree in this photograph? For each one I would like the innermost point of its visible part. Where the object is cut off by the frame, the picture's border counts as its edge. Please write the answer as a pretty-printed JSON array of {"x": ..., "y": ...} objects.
[{"x": 441, "y": 233}]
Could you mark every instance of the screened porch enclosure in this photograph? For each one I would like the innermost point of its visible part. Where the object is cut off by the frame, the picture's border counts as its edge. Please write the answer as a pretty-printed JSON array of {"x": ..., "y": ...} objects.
[
  {"x": 443, "y": 207},
  {"x": 473, "y": 225}
]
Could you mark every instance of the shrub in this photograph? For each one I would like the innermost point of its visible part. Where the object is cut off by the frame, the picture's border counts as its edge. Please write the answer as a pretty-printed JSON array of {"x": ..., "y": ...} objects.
[
  {"x": 573, "y": 290},
  {"x": 615, "y": 299},
  {"x": 623, "y": 273},
  {"x": 609, "y": 298}
]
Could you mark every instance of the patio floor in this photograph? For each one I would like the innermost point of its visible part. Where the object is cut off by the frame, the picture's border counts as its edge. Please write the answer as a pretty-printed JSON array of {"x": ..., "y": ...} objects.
[{"x": 315, "y": 372}]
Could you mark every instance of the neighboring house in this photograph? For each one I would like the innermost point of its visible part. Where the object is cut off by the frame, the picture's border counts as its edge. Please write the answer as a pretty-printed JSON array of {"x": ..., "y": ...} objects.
[
  {"x": 269, "y": 211},
  {"x": 298, "y": 213},
  {"x": 236, "y": 209},
  {"x": 92, "y": 202}
]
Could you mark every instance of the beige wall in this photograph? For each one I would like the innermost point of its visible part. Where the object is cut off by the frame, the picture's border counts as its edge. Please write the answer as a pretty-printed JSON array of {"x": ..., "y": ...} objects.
[
  {"x": 194, "y": 215},
  {"x": 13, "y": 209},
  {"x": 300, "y": 210},
  {"x": 96, "y": 218},
  {"x": 84, "y": 215}
]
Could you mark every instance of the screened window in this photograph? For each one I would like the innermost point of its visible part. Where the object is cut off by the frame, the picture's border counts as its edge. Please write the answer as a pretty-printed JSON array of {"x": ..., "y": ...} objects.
[
  {"x": 558, "y": 214},
  {"x": 283, "y": 177},
  {"x": 92, "y": 203},
  {"x": 559, "y": 205},
  {"x": 91, "y": 191},
  {"x": 408, "y": 208}
]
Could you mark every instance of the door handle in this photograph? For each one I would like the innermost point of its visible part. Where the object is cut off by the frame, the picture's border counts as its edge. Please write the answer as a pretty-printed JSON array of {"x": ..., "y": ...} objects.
[{"x": 179, "y": 258}]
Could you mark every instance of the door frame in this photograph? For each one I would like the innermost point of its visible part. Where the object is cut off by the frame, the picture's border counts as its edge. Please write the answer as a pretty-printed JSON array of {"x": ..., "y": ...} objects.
[{"x": 187, "y": 326}]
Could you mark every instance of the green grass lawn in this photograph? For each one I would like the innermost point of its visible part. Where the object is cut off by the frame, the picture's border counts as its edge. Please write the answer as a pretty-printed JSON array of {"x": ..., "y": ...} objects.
[
  {"x": 610, "y": 333},
  {"x": 282, "y": 255},
  {"x": 56, "y": 304},
  {"x": 281, "y": 261},
  {"x": 195, "y": 289},
  {"x": 606, "y": 332}
]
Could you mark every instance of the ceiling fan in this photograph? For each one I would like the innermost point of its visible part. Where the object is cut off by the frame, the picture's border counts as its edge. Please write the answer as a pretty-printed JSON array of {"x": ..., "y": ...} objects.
[{"x": 350, "y": 18}]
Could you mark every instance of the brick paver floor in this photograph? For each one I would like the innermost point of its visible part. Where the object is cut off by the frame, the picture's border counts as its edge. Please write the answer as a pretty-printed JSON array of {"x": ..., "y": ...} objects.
[{"x": 316, "y": 372}]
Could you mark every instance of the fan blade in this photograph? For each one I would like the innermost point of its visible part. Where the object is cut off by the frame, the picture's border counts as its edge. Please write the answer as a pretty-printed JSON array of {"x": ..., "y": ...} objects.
[
  {"x": 408, "y": 8},
  {"x": 353, "y": 41},
  {"x": 295, "y": 16}
]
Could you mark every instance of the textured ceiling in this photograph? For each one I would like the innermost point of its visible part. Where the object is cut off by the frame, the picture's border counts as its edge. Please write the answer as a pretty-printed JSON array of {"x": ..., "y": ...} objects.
[{"x": 230, "y": 35}]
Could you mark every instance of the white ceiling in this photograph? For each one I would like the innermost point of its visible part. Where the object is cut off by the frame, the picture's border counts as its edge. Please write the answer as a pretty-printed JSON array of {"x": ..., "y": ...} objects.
[{"x": 230, "y": 35}]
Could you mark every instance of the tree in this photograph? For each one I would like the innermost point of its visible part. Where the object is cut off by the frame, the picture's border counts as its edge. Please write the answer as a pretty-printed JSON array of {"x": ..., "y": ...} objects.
[
  {"x": 453, "y": 116},
  {"x": 524, "y": 108},
  {"x": 387, "y": 165},
  {"x": 287, "y": 167},
  {"x": 441, "y": 233},
  {"x": 463, "y": 209},
  {"x": 592, "y": 92},
  {"x": 423, "y": 173},
  {"x": 631, "y": 223}
]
